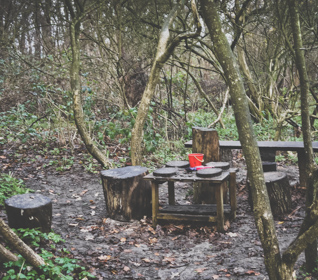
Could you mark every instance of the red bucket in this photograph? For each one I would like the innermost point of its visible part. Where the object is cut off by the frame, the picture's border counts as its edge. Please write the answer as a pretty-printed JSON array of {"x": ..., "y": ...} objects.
[{"x": 195, "y": 159}]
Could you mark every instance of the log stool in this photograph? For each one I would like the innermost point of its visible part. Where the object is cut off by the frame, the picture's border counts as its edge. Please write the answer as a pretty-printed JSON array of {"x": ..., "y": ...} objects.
[
  {"x": 127, "y": 195},
  {"x": 278, "y": 189},
  {"x": 30, "y": 210}
]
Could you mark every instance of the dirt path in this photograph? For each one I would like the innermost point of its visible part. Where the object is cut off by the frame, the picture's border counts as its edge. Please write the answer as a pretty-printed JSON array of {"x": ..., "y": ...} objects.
[{"x": 120, "y": 250}]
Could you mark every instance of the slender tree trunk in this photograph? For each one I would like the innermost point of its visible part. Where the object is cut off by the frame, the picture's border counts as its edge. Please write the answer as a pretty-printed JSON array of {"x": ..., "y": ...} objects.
[
  {"x": 164, "y": 51},
  {"x": 6, "y": 255},
  {"x": 262, "y": 212},
  {"x": 19, "y": 245},
  {"x": 311, "y": 251},
  {"x": 77, "y": 99}
]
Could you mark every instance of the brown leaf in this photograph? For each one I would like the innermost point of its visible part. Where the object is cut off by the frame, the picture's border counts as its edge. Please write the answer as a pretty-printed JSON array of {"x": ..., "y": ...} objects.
[
  {"x": 153, "y": 240},
  {"x": 199, "y": 270},
  {"x": 104, "y": 258},
  {"x": 250, "y": 272},
  {"x": 168, "y": 259},
  {"x": 83, "y": 192}
]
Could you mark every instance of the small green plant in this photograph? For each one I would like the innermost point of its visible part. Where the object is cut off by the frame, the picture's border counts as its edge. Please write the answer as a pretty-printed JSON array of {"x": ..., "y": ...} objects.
[
  {"x": 9, "y": 186},
  {"x": 58, "y": 266}
]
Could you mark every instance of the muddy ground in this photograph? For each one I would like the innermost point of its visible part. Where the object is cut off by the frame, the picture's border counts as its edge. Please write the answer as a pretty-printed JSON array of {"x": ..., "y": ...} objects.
[{"x": 134, "y": 250}]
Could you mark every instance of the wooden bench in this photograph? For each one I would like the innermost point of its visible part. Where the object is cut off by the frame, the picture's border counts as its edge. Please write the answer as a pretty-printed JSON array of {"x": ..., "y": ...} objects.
[{"x": 270, "y": 146}]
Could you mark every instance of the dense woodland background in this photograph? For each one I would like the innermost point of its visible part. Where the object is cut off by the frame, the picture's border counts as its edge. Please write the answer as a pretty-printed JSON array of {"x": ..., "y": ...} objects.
[
  {"x": 60, "y": 59},
  {"x": 118, "y": 41}
]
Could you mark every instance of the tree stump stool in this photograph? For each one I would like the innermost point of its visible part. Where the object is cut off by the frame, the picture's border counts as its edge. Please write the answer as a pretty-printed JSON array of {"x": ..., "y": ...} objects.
[
  {"x": 30, "y": 210},
  {"x": 127, "y": 195},
  {"x": 278, "y": 189}
]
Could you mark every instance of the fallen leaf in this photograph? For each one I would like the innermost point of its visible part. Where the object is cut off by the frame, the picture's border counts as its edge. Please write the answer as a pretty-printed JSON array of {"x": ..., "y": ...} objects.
[
  {"x": 153, "y": 240},
  {"x": 151, "y": 230},
  {"x": 250, "y": 272},
  {"x": 83, "y": 192},
  {"x": 231, "y": 234},
  {"x": 123, "y": 239},
  {"x": 73, "y": 225},
  {"x": 146, "y": 260},
  {"x": 126, "y": 268},
  {"x": 200, "y": 270},
  {"x": 215, "y": 276},
  {"x": 168, "y": 259},
  {"x": 104, "y": 258}
]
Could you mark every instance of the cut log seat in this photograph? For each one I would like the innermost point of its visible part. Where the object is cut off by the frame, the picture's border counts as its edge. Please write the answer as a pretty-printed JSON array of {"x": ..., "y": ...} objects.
[
  {"x": 30, "y": 210},
  {"x": 127, "y": 195},
  {"x": 278, "y": 189}
]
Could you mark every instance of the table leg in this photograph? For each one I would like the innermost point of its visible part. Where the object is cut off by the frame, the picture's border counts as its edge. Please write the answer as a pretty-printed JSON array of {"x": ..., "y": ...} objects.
[
  {"x": 155, "y": 202},
  {"x": 219, "y": 207},
  {"x": 171, "y": 193},
  {"x": 302, "y": 168},
  {"x": 232, "y": 187}
]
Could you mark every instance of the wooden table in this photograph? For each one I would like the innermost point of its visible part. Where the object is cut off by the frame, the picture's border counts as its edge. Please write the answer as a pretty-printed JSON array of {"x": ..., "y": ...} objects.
[
  {"x": 199, "y": 213},
  {"x": 269, "y": 146}
]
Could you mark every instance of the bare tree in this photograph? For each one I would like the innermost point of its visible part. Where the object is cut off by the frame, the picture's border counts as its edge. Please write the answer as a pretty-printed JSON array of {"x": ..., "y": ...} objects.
[{"x": 165, "y": 48}]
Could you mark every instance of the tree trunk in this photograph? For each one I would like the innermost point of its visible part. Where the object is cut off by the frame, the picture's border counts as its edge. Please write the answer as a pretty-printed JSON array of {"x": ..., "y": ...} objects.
[
  {"x": 262, "y": 212},
  {"x": 311, "y": 191},
  {"x": 76, "y": 89},
  {"x": 33, "y": 258},
  {"x": 164, "y": 51},
  {"x": 6, "y": 255}
]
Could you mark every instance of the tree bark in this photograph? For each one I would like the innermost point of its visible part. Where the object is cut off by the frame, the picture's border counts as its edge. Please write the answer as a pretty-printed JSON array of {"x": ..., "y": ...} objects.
[
  {"x": 76, "y": 87},
  {"x": 311, "y": 191},
  {"x": 164, "y": 51},
  {"x": 262, "y": 212},
  {"x": 6, "y": 255},
  {"x": 33, "y": 258}
]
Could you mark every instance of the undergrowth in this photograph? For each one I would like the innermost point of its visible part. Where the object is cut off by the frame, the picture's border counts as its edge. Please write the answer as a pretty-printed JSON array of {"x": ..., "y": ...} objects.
[{"x": 59, "y": 265}]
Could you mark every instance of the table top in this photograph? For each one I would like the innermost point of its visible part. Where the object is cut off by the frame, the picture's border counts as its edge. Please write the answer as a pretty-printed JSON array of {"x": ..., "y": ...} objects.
[
  {"x": 184, "y": 176},
  {"x": 270, "y": 145}
]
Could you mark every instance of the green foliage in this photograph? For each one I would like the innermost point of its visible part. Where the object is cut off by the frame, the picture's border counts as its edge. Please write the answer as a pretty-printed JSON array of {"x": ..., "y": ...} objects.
[
  {"x": 120, "y": 126},
  {"x": 9, "y": 186},
  {"x": 57, "y": 267},
  {"x": 167, "y": 151}
]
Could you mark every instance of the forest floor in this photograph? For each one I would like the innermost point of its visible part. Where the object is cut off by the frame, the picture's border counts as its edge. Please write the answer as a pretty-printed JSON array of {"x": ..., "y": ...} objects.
[{"x": 134, "y": 250}]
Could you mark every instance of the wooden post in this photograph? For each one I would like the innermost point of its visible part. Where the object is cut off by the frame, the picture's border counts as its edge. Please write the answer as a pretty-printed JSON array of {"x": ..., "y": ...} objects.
[
  {"x": 155, "y": 203},
  {"x": 219, "y": 207},
  {"x": 205, "y": 141},
  {"x": 172, "y": 200},
  {"x": 232, "y": 187}
]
